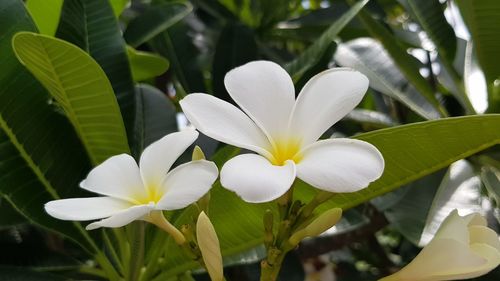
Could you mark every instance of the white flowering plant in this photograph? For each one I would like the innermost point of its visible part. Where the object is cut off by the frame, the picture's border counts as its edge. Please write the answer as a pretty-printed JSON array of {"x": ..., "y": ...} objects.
[{"x": 249, "y": 140}]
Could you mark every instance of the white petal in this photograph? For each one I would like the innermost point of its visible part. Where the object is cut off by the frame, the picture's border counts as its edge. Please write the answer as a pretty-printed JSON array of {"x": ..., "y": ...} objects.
[
  {"x": 441, "y": 259},
  {"x": 117, "y": 177},
  {"x": 187, "y": 183},
  {"x": 484, "y": 235},
  {"x": 255, "y": 179},
  {"x": 82, "y": 209},
  {"x": 224, "y": 122},
  {"x": 124, "y": 217},
  {"x": 159, "y": 156},
  {"x": 324, "y": 100},
  {"x": 265, "y": 91},
  {"x": 454, "y": 227},
  {"x": 340, "y": 165}
]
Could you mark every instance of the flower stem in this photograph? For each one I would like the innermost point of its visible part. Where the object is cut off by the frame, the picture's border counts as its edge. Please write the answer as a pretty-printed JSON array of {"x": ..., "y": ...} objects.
[
  {"x": 157, "y": 218},
  {"x": 136, "y": 251},
  {"x": 292, "y": 217}
]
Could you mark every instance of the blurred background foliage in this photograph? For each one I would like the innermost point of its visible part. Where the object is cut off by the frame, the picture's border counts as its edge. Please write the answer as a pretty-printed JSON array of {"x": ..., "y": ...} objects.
[{"x": 426, "y": 60}]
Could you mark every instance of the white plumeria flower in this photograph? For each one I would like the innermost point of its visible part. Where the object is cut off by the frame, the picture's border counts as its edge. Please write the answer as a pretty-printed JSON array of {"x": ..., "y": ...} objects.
[
  {"x": 463, "y": 248},
  {"x": 140, "y": 193},
  {"x": 285, "y": 132}
]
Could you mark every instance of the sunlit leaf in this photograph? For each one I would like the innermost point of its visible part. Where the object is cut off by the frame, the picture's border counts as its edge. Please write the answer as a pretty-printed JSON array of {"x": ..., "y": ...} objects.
[
  {"x": 45, "y": 14},
  {"x": 92, "y": 26},
  {"x": 89, "y": 102},
  {"x": 146, "y": 65}
]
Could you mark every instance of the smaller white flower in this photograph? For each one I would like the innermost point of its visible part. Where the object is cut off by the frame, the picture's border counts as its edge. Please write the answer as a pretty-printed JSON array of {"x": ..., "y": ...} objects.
[
  {"x": 285, "y": 132},
  {"x": 463, "y": 248},
  {"x": 140, "y": 193}
]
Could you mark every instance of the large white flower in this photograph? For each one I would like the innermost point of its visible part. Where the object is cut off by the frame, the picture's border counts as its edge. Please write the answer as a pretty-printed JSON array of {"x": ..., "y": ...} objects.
[
  {"x": 285, "y": 132},
  {"x": 463, "y": 248},
  {"x": 134, "y": 193}
]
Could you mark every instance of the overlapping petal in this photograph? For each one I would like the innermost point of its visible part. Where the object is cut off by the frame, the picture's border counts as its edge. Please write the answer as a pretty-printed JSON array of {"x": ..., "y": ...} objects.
[
  {"x": 265, "y": 91},
  {"x": 255, "y": 179},
  {"x": 159, "y": 156},
  {"x": 324, "y": 100},
  {"x": 82, "y": 209},
  {"x": 451, "y": 256},
  {"x": 117, "y": 177},
  {"x": 340, "y": 165},
  {"x": 187, "y": 183},
  {"x": 224, "y": 122},
  {"x": 123, "y": 217}
]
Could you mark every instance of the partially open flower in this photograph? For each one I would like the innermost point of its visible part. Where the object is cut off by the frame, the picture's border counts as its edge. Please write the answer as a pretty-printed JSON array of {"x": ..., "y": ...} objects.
[
  {"x": 284, "y": 131},
  {"x": 135, "y": 193},
  {"x": 463, "y": 248}
]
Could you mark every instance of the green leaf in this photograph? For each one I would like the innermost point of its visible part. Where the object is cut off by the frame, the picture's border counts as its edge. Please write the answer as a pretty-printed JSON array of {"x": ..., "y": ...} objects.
[
  {"x": 46, "y": 14},
  {"x": 156, "y": 115},
  {"x": 92, "y": 26},
  {"x": 154, "y": 21},
  {"x": 146, "y": 65},
  {"x": 416, "y": 150},
  {"x": 236, "y": 46},
  {"x": 430, "y": 15},
  {"x": 369, "y": 57},
  {"x": 9, "y": 215},
  {"x": 118, "y": 6},
  {"x": 41, "y": 157},
  {"x": 404, "y": 61},
  {"x": 89, "y": 102},
  {"x": 409, "y": 213},
  {"x": 177, "y": 46},
  {"x": 313, "y": 53},
  {"x": 482, "y": 19}
]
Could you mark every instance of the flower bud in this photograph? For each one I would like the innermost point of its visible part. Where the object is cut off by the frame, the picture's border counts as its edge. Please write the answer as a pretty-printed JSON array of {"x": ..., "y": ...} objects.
[
  {"x": 319, "y": 225},
  {"x": 198, "y": 154},
  {"x": 463, "y": 248},
  {"x": 209, "y": 247}
]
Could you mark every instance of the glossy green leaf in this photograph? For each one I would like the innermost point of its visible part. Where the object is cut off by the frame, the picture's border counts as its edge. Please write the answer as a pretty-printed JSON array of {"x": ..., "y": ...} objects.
[
  {"x": 89, "y": 102},
  {"x": 146, "y": 65},
  {"x": 404, "y": 61},
  {"x": 33, "y": 135},
  {"x": 482, "y": 19},
  {"x": 92, "y": 26},
  {"x": 154, "y": 21},
  {"x": 177, "y": 46},
  {"x": 409, "y": 212},
  {"x": 313, "y": 53},
  {"x": 156, "y": 115},
  {"x": 369, "y": 57},
  {"x": 236, "y": 46},
  {"x": 430, "y": 15},
  {"x": 410, "y": 151},
  {"x": 46, "y": 14},
  {"x": 416, "y": 150}
]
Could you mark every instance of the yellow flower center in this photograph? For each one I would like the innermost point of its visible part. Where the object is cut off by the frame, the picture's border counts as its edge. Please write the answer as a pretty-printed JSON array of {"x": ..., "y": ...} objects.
[
  {"x": 152, "y": 194},
  {"x": 284, "y": 150}
]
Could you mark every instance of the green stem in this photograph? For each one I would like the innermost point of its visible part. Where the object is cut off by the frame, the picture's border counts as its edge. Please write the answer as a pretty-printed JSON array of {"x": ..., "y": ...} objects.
[
  {"x": 137, "y": 251},
  {"x": 112, "y": 250}
]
